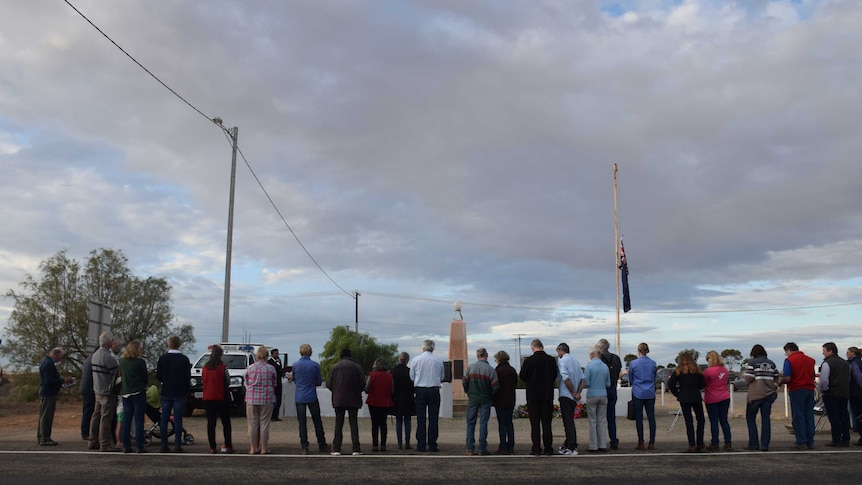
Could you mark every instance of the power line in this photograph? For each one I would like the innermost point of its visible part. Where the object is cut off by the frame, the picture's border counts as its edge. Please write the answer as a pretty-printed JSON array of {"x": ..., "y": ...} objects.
[
  {"x": 225, "y": 131},
  {"x": 592, "y": 310},
  {"x": 290, "y": 228},
  {"x": 208, "y": 118}
]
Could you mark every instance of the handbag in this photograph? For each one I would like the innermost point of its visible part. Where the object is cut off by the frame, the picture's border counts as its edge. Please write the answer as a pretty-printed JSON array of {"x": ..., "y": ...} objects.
[{"x": 631, "y": 410}]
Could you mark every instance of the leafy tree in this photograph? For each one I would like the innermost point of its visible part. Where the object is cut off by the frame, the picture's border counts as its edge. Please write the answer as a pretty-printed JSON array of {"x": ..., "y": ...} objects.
[
  {"x": 731, "y": 357},
  {"x": 693, "y": 353},
  {"x": 363, "y": 347},
  {"x": 51, "y": 309},
  {"x": 628, "y": 359}
]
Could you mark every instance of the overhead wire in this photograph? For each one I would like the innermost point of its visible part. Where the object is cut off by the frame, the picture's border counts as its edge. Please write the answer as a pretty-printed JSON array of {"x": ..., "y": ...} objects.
[
  {"x": 407, "y": 297},
  {"x": 225, "y": 131},
  {"x": 593, "y": 310}
]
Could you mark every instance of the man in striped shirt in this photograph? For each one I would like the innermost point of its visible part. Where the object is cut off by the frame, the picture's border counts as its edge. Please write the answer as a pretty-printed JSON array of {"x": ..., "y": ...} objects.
[{"x": 480, "y": 383}]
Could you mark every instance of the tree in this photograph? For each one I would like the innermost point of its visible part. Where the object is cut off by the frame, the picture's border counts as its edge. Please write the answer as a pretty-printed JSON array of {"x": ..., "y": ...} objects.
[
  {"x": 628, "y": 359},
  {"x": 693, "y": 353},
  {"x": 364, "y": 348},
  {"x": 731, "y": 357},
  {"x": 51, "y": 311}
]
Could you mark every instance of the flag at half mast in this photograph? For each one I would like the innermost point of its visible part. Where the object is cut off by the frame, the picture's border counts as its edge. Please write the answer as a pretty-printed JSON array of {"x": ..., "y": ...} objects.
[{"x": 624, "y": 275}]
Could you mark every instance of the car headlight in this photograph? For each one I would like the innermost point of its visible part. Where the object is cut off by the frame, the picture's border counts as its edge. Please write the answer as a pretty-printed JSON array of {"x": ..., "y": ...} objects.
[
  {"x": 236, "y": 381},
  {"x": 193, "y": 382}
]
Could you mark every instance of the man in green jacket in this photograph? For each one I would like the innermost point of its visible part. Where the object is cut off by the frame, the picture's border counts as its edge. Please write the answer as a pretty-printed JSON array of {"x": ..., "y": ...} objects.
[{"x": 480, "y": 383}]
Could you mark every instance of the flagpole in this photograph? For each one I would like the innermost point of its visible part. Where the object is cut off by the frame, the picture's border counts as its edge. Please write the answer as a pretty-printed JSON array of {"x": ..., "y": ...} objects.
[{"x": 617, "y": 254}]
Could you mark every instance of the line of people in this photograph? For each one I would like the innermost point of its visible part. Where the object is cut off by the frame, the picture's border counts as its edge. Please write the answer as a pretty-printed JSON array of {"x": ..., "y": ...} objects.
[{"x": 405, "y": 392}]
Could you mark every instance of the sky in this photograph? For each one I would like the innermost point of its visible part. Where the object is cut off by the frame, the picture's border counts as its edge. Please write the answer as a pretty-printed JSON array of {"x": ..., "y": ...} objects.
[{"x": 425, "y": 152}]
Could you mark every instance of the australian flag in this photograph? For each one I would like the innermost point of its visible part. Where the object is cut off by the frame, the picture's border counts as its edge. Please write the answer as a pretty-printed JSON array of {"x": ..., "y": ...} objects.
[{"x": 624, "y": 272}]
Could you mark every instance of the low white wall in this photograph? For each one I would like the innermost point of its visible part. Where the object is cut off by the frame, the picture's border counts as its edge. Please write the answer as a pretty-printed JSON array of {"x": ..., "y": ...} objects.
[{"x": 324, "y": 395}]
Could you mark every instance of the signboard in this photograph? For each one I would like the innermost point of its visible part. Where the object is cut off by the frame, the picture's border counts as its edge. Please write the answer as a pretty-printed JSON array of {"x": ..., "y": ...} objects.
[{"x": 99, "y": 316}]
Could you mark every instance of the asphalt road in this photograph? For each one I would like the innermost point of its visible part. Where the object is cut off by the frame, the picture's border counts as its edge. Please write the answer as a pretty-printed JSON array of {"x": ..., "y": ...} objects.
[
  {"x": 23, "y": 462},
  {"x": 810, "y": 467}
]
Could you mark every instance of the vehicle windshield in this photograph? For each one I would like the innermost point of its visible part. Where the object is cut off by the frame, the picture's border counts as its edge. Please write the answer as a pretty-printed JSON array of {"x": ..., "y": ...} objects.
[{"x": 230, "y": 361}]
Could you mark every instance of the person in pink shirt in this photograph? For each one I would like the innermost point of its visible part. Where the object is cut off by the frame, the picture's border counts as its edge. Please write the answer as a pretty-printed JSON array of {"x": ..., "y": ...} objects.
[{"x": 716, "y": 395}]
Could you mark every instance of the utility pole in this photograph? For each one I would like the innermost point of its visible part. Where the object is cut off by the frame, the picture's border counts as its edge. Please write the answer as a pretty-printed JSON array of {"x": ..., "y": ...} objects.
[
  {"x": 519, "y": 335},
  {"x": 234, "y": 136},
  {"x": 356, "y": 295}
]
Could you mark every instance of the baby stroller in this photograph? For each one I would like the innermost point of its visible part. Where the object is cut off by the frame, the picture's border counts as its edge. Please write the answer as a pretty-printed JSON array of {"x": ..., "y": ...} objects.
[
  {"x": 154, "y": 432},
  {"x": 155, "y": 415}
]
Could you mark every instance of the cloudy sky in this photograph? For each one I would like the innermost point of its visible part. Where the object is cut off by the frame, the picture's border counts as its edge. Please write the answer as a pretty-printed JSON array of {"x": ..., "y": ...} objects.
[{"x": 431, "y": 151}]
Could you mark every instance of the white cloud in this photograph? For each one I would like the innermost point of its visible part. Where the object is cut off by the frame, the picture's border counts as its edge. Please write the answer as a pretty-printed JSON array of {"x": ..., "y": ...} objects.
[{"x": 447, "y": 150}]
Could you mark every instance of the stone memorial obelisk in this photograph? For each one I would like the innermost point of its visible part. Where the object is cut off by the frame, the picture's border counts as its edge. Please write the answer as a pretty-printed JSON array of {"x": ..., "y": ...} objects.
[{"x": 458, "y": 353}]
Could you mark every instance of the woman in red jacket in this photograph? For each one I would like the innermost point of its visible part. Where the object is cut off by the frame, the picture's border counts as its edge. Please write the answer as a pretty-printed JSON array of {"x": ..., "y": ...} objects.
[
  {"x": 216, "y": 402},
  {"x": 379, "y": 388}
]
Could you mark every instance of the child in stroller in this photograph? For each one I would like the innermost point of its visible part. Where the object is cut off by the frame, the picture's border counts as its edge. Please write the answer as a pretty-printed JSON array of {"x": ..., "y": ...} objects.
[{"x": 154, "y": 412}]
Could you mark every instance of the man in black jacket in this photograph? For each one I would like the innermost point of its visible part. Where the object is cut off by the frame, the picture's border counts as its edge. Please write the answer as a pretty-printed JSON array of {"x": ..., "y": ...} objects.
[
  {"x": 173, "y": 372},
  {"x": 835, "y": 387},
  {"x": 275, "y": 361},
  {"x": 539, "y": 372},
  {"x": 50, "y": 383}
]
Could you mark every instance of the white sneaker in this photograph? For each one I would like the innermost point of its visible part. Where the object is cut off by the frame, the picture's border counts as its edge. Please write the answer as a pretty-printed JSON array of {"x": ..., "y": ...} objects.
[
  {"x": 566, "y": 451},
  {"x": 357, "y": 453},
  {"x": 573, "y": 452},
  {"x": 335, "y": 453}
]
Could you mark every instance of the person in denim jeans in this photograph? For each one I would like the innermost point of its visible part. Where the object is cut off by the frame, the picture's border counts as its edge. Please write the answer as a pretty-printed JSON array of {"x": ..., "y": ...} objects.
[
  {"x": 716, "y": 396},
  {"x": 427, "y": 376},
  {"x": 762, "y": 377},
  {"x": 799, "y": 377},
  {"x": 642, "y": 373},
  {"x": 173, "y": 372},
  {"x": 306, "y": 374},
  {"x": 480, "y": 384}
]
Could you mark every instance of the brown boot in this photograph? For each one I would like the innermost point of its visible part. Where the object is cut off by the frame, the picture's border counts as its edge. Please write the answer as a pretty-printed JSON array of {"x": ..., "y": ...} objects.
[
  {"x": 690, "y": 449},
  {"x": 640, "y": 446},
  {"x": 651, "y": 446}
]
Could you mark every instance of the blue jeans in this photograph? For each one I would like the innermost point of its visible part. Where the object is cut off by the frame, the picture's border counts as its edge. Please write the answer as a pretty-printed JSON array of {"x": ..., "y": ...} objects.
[
  {"x": 134, "y": 407},
  {"x": 802, "y": 409},
  {"x": 178, "y": 406},
  {"x": 765, "y": 408},
  {"x": 314, "y": 408},
  {"x": 427, "y": 409},
  {"x": 483, "y": 410},
  {"x": 639, "y": 406},
  {"x": 612, "y": 415},
  {"x": 402, "y": 422},
  {"x": 717, "y": 412},
  {"x": 839, "y": 418},
  {"x": 506, "y": 428}
]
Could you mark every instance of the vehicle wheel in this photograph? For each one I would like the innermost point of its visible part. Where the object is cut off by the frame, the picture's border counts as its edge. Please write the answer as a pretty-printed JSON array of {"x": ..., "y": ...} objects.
[{"x": 188, "y": 439}]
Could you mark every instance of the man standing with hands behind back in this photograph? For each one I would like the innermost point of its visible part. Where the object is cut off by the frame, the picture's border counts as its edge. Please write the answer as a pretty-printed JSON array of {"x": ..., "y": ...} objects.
[
  {"x": 539, "y": 372},
  {"x": 427, "y": 376},
  {"x": 173, "y": 372},
  {"x": 571, "y": 384}
]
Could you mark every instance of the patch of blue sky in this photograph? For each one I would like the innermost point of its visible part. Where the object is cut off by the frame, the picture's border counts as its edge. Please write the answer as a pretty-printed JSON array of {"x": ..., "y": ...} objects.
[{"x": 12, "y": 132}]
